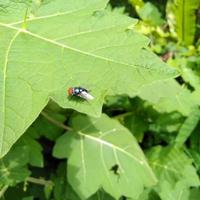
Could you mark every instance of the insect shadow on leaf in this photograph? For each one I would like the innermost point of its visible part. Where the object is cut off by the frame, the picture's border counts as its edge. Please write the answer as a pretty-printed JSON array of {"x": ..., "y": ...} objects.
[
  {"x": 115, "y": 170},
  {"x": 76, "y": 99}
]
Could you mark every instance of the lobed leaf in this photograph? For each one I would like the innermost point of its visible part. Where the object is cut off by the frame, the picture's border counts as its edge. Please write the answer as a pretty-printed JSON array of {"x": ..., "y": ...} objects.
[
  {"x": 102, "y": 153},
  {"x": 66, "y": 44}
]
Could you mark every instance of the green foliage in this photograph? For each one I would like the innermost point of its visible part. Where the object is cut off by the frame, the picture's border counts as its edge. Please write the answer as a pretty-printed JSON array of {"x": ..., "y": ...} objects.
[
  {"x": 147, "y": 12},
  {"x": 44, "y": 60},
  {"x": 168, "y": 96},
  {"x": 175, "y": 172},
  {"x": 138, "y": 139},
  {"x": 150, "y": 14},
  {"x": 185, "y": 15},
  {"x": 188, "y": 126},
  {"x": 13, "y": 167}
]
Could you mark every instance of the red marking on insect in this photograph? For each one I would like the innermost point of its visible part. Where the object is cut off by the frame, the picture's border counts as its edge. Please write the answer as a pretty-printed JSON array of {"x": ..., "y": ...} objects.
[{"x": 70, "y": 91}]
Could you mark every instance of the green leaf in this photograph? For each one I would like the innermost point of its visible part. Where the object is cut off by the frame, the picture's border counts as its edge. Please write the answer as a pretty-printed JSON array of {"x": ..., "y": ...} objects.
[
  {"x": 44, "y": 127},
  {"x": 190, "y": 71},
  {"x": 168, "y": 96},
  {"x": 13, "y": 167},
  {"x": 150, "y": 14},
  {"x": 149, "y": 194},
  {"x": 175, "y": 172},
  {"x": 137, "y": 125},
  {"x": 196, "y": 157},
  {"x": 167, "y": 123},
  {"x": 101, "y": 195},
  {"x": 137, "y": 3},
  {"x": 48, "y": 190},
  {"x": 68, "y": 44},
  {"x": 185, "y": 15},
  {"x": 62, "y": 189},
  {"x": 102, "y": 153},
  {"x": 28, "y": 198},
  {"x": 188, "y": 126},
  {"x": 34, "y": 150},
  {"x": 16, "y": 193},
  {"x": 194, "y": 194}
]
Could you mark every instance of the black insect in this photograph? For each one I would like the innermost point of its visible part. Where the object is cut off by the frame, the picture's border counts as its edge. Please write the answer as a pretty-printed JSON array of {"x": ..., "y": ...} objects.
[{"x": 80, "y": 92}]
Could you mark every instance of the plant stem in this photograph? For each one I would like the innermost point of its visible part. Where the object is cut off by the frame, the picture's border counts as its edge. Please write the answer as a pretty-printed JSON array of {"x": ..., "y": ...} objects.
[
  {"x": 123, "y": 115},
  {"x": 2, "y": 191},
  {"x": 55, "y": 122},
  {"x": 38, "y": 181}
]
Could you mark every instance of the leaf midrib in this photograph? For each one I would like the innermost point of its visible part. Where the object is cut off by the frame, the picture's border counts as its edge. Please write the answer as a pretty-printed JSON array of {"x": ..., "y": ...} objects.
[{"x": 103, "y": 142}]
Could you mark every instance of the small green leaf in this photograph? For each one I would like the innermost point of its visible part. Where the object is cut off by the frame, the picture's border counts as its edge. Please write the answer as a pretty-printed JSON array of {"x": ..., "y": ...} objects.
[
  {"x": 102, "y": 153},
  {"x": 33, "y": 150},
  {"x": 168, "y": 96},
  {"x": 150, "y": 14},
  {"x": 185, "y": 14},
  {"x": 13, "y": 167},
  {"x": 188, "y": 126},
  {"x": 48, "y": 190}
]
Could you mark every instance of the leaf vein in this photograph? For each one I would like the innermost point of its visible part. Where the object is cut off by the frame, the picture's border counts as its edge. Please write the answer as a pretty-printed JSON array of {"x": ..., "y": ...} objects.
[
  {"x": 83, "y": 159},
  {"x": 136, "y": 66},
  {"x": 112, "y": 146},
  {"x": 4, "y": 87},
  {"x": 58, "y": 14}
]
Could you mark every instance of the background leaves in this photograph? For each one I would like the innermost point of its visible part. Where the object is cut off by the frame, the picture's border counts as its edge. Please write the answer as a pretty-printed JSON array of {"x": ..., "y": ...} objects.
[{"x": 146, "y": 144}]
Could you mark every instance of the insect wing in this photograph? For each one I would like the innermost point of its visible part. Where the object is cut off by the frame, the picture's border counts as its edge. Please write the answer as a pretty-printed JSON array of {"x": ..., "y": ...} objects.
[{"x": 86, "y": 95}]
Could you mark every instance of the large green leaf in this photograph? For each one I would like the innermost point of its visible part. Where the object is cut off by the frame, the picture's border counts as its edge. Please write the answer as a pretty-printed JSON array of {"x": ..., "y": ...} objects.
[
  {"x": 67, "y": 43},
  {"x": 175, "y": 172},
  {"x": 185, "y": 14},
  {"x": 102, "y": 153}
]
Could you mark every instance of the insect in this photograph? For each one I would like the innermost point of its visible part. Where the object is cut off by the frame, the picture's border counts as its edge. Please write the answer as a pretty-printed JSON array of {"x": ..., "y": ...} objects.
[{"x": 80, "y": 92}]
